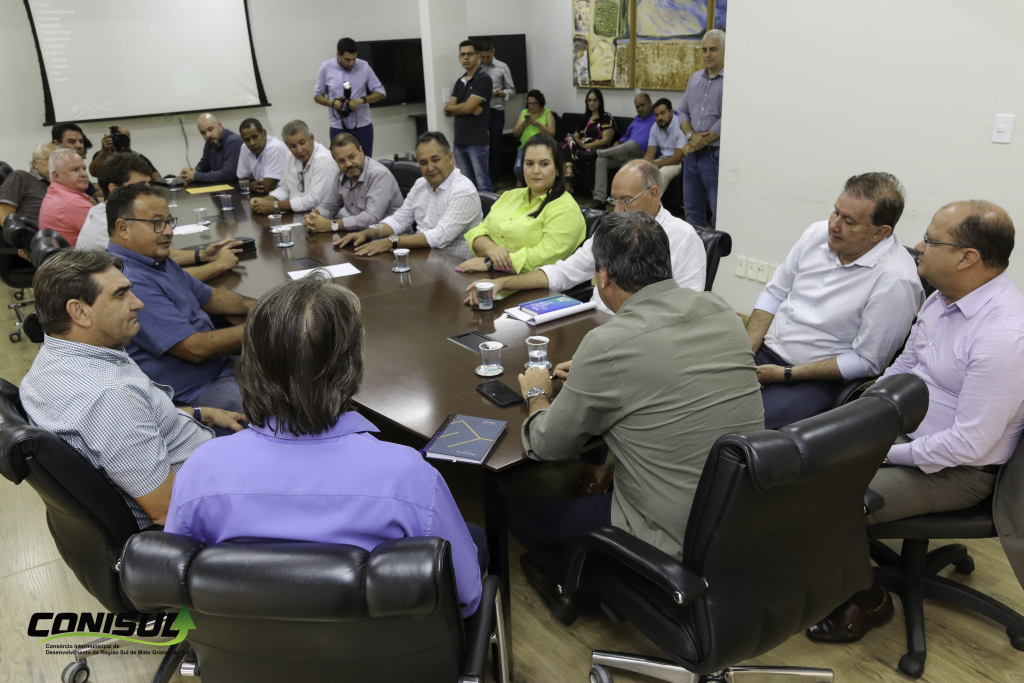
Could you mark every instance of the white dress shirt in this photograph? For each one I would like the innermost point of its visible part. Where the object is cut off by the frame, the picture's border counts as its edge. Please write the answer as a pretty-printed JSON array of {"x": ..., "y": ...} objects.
[
  {"x": 305, "y": 188},
  {"x": 94, "y": 231},
  {"x": 689, "y": 260},
  {"x": 859, "y": 313},
  {"x": 443, "y": 216},
  {"x": 269, "y": 164}
]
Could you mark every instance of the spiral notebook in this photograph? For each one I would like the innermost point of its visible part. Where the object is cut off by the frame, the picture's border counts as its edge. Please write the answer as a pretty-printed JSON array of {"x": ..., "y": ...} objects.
[{"x": 462, "y": 438}]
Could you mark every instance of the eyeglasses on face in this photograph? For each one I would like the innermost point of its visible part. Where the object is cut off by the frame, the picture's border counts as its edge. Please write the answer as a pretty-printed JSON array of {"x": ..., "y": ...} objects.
[
  {"x": 159, "y": 224},
  {"x": 613, "y": 202},
  {"x": 948, "y": 244}
]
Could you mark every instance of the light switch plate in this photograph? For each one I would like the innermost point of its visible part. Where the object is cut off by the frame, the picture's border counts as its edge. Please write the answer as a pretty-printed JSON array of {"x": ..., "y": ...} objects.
[
  {"x": 751, "y": 269},
  {"x": 762, "y": 271},
  {"x": 1003, "y": 129},
  {"x": 741, "y": 266}
]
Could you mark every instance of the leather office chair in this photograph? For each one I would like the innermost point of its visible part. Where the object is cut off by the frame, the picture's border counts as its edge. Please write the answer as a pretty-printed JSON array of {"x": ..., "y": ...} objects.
[
  {"x": 45, "y": 244},
  {"x": 16, "y": 272},
  {"x": 5, "y": 170},
  {"x": 406, "y": 173},
  {"x": 592, "y": 218},
  {"x": 716, "y": 245},
  {"x": 87, "y": 516},
  {"x": 774, "y": 541},
  {"x": 912, "y": 573},
  {"x": 318, "y": 612},
  {"x": 487, "y": 200},
  {"x": 387, "y": 163}
]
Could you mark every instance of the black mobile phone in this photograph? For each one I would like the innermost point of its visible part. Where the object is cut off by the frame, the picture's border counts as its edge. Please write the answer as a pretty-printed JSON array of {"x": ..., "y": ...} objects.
[{"x": 500, "y": 394}]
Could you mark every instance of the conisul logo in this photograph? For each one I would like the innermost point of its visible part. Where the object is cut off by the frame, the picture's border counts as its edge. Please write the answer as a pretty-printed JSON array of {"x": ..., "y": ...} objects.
[{"x": 120, "y": 626}]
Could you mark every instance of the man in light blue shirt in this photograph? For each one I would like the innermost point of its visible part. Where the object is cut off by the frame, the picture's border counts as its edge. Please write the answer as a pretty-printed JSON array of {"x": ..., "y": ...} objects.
[
  {"x": 262, "y": 159},
  {"x": 347, "y": 86},
  {"x": 665, "y": 142},
  {"x": 700, "y": 117}
]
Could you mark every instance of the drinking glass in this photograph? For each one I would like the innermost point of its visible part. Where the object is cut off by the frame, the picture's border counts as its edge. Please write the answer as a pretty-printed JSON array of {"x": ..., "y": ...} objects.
[
  {"x": 225, "y": 202},
  {"x": 275, "y": 223},
  {"x": 286, "y": 237},
  {"x": 485, "y": 295},
  {"x": 243, "y": 185},
  {"x": 201, "y": 217},
  {"x": 490, "y": 359},
  {"x": 401, "y": 261},
  {"x": 538, "y": 350}
]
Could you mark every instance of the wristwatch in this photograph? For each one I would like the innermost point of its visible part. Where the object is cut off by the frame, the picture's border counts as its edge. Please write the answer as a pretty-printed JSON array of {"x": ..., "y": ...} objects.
[
  {"x": 199, "y": 260},
  {"x": 394, "y": 241},
  {"x": 688, "y": 136},
  {"x": 488, "y": 263},
  {"x": 277, "y": 207},
  {"x": 536, "y": 391},
  {"x": 197, "y": 414},
  {"x": 788, "y": 373},
  {"x": 334, "y": 226}
]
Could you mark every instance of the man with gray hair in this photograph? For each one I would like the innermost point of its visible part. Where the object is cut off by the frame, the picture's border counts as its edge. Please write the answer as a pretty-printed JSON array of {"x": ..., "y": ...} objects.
[
  {"x": 23, "y": 191},
  {"x": 220, "y": 154},
  {"x": 700, "y": 119},
  {"x": 309, "y": 174},
  {"x": 66, "y": 206},
  {"x": 659, "y": 382}
]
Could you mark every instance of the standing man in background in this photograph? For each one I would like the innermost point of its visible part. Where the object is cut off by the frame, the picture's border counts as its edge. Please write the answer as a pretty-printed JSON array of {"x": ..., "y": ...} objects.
[
  {"x": 503, "y": 89},
  {"x": 220, "y": 154},
  {"x": 470, "y": 104},
  {"x": 700, "y": 119},
  {"x": 347, "y": 86}
]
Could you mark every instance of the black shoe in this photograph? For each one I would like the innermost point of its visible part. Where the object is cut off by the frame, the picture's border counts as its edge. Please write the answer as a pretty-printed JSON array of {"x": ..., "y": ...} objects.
[
  {"x": 564, "y": 609},
  {"x": 599, "y": 205}
]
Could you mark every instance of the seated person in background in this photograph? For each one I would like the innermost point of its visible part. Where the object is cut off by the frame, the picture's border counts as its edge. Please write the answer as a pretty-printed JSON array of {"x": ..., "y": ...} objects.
[
  {"x": 533, "y": 120},
  {"x": 596, "y": 130},
  {"x": 117, "y": 144},
  {"x": 132, "y": 169},
  {"x": 24, "y": 191},
  {"x": 84, "y": 388},
  {"x": 220, "y": 153},
  {"x": 66, "y": 205},
  {"x": 839, "y": 307},
  {"x": 660, "y": 382},
  {"x": 364, "y": 195},
  {"x": 309, "y": 174},
  {"x": 666, "y": 142},
  {"x": 632, "y": 145},
  {"x": 262, "y": 160},
  {"x": 70, "y": 136},
  {"x": 968, "y": 347},
  {"x": 531, "y": 226},
  {"x": 177, "y": 344},
  {"x": 313, "y": 470},
  {"x": 440, "y": 208}
]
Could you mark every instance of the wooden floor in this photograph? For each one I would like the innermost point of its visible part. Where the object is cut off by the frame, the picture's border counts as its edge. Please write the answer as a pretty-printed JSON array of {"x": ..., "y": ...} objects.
[{"x": 33, "y": 578}]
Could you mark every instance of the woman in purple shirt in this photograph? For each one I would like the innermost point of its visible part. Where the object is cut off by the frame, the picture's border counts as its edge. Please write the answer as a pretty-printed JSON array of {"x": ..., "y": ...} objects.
[{"x": 309, "y": 468}]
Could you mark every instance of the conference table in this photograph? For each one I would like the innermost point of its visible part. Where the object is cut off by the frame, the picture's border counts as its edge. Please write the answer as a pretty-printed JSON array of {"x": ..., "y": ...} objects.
[{"x": 414, "y": 376}]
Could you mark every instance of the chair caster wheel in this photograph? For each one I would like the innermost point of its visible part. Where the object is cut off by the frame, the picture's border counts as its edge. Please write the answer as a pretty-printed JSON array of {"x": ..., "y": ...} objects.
[
  {"x": 75, "y": 672},
  {"x": 600, "y": 674},
  {"x": 965, "y": 567},
  {"x": 1016, "y": 639},
  {"x": 15, "y": 337},
  {"x": 911, "y": 666},
  {"x": 19, "y": 295}
]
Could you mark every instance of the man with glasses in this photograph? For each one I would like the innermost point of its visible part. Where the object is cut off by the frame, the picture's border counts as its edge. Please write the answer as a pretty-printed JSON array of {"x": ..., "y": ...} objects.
[
  {"x": 968, "y": 347},
  {"x": 839, "y": 307},
  {"x": 309, "y": 174},
  {"x": 177, "y": 344},
  {"x": 347, "y": 86},
  {"x": 470, "y": 104},
  {"x": 636, "y": 187}
]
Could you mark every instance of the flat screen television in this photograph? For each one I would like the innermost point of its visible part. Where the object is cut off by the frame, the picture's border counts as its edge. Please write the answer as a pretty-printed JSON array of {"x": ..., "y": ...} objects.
[{"x": 399, "y": 66}]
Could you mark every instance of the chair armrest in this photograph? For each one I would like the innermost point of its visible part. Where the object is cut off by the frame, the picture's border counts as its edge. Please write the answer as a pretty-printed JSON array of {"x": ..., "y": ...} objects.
[
  {"x": 656, "y": 566},
  {"x": 873, "y": 502},
  {"x": 478, "y": 630}
]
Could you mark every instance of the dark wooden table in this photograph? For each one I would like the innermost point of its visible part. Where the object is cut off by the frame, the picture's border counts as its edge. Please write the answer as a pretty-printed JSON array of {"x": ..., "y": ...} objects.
[{"x": 414, "y": 376}]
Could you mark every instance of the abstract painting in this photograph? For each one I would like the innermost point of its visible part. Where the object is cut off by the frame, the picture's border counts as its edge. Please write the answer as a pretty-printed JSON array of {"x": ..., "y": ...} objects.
[{"x": 601, "y": 43}]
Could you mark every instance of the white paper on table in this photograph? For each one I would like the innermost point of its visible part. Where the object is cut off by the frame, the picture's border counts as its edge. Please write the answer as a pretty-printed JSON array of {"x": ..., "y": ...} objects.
[
  {"x": 337, "y": 270},
  {"x": 531, "y": 319},
  {"x": 190, "y": 228},
  {"x": 292, "y": 225},
  {"x": 446, "y": 94}
]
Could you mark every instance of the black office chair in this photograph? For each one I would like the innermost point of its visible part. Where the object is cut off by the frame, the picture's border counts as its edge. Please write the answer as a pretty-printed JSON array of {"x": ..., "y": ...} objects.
[
  {"x": 5, "y": 170},
  {"x": 46, "y": 243},
  {"x": 89, "y": 520},
  {"x": 774, "y": 541},
  {"x": 592, "y": 218},
  {"x": 912, "y": 573},
  {"x": 318, "y": 612},
  {"x": 584, "y": 291},
  {"x": 487, "y": 200},
  {"x": 387, "y": 163},
  {"x": 16, "y": 272},
  {"x": 716, "y": 245},
  {"x": 406, "y": 173}
]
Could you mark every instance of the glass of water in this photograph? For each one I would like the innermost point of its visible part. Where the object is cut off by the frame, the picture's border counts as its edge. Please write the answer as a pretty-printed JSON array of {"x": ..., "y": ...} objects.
[
  {"x": 286, "y": 237},
  {"x": 538, "y": 350},
  {"x": 243, "y": 185},
  {"x": 201, "y": 217},
  {"x": 401, "y": 261},
  {"x": 490, "y": 359},
  {"x": 485, "y": 295},
  {"x": 275, "y": 223},
  {"x": 225, "y": 202}
]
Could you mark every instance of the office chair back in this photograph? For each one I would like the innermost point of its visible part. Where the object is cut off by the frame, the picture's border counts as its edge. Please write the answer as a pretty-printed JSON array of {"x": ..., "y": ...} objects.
[
  {"x": 592, "y": 218},
  {"x": 88, "y": 518},
  {"x": 487, "y": 200},
  {"x": 716, "y": 245},
  {"x": 19, "y": 229},
  {"x": 15, "y": 271},
  {"x": 45, "y": 244},
  {"x": 5, "y": 170},
  {"x": 387, "y": 163},
  {"x": 406, "y": 173},
  {"x": 306, "y": 611}
]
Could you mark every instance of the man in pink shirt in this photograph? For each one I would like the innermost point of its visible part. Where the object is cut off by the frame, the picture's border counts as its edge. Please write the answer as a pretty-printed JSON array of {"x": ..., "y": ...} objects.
[{"x": 66, "y": 205}]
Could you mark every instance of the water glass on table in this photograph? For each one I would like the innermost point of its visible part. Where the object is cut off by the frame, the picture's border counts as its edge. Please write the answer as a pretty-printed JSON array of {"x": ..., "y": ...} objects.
[
  {"x": 225, "y": 202},
  {"x": 401, "y": 261},
  {"x": 243, "y": 186},
  {"x": 485, "y": 295},
  {"x": 275, "y": 223},
  {"x": 538, "y": 352},
  {"x": 490, "y": 359},
  {"x": 286, "y": 237},
  {"x": 201, "y": 217}
]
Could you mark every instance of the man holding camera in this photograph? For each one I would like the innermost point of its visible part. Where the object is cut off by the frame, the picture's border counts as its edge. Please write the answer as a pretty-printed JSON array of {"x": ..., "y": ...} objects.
[
  {"x": 347, "y": 86},
  {"x": 117, "y": 141}
]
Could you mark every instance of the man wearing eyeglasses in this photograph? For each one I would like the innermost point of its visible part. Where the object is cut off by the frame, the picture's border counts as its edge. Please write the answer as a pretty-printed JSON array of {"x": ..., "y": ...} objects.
[
  {"x": 177, "y": 344},
  {"x": 636, "y": 187},
  {"x": 968, "y": 347},
  {"x": 310, "y": 174},
  {"x": 839, "y": 307}
]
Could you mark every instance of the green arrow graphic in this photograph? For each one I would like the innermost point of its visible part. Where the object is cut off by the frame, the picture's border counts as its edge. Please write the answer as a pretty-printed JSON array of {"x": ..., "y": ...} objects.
[{"x": 182, "y": 623}]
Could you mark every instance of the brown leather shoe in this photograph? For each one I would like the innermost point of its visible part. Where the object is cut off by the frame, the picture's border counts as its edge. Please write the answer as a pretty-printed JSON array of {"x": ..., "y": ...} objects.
[
  {"x": 563, "y": 608},
  {"x": 848, "y": 623},
  {"x": 588, "y": 484}
]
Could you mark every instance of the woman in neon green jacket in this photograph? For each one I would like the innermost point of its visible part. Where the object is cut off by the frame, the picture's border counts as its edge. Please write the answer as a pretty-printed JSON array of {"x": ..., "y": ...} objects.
[{"x": 532, "y": 226}]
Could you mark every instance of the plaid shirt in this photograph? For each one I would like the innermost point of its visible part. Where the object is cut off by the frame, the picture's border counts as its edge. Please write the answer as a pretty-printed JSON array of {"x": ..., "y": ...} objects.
[
  {"x": 443, "y": 216},
  {"x": 107, "y": 409}
]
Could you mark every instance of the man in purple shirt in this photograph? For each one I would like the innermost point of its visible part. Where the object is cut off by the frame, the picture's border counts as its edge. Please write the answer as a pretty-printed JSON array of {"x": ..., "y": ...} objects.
[
  {"x": 968, "y": 346},
  {"x": 347, "y": 86},
  {"x": 700, "y": 119},
  {"x": 309, "y": 467},
  {"x": 632, "y": 145}
]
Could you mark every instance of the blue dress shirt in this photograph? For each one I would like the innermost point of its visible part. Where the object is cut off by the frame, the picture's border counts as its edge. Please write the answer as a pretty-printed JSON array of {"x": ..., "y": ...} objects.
[{"x": 639, "y": 131}]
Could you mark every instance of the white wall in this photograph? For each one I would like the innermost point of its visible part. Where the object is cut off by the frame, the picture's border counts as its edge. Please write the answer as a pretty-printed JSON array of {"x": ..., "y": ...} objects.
[{"x": 824, "y": 90}]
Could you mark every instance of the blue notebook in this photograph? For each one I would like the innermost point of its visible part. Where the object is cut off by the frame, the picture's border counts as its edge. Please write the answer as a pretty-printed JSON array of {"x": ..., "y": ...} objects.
[
  {"x": 464, "y": 439},
  {"x": 550, "y": 304}
]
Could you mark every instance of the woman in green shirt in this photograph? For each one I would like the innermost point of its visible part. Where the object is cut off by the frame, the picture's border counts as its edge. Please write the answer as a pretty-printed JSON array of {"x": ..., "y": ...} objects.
[
  {"x": 533, "y": 120},
  {"x": 531, "y": 226}
]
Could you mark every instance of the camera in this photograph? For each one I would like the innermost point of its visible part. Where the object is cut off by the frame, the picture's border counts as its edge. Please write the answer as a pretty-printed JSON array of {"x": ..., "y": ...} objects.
[
  {"x": 121, "y": 141},
  {"x": 346, "y": 108}
]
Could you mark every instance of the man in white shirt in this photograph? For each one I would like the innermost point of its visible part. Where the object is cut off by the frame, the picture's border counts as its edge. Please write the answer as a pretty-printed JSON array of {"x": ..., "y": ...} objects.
[
  {"x": 636, "y": 187},
  {"x": 841, "y": 305},
  {"x": 666, "y": 142},
  {"x": 309, "y": 174},
  {"x": 440, "y": 208},
  {"x": 262, "y": 160}
]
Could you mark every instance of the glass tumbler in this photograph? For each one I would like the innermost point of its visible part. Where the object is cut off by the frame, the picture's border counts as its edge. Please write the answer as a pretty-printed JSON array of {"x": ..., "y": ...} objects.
[{"x": 490, "y": 359}]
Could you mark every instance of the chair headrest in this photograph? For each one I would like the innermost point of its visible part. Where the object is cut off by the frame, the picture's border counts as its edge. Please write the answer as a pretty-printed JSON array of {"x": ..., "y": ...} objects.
[
  {"x": 908, "y": 394},
  {"x": 12, "y": 424},
  {"x": 45, "y": 244},
  {"x": 18, "y": 230}
]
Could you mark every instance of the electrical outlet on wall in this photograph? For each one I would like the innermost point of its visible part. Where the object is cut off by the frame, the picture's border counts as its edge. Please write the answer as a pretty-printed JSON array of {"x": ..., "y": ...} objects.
[
  {"x": 762, "y": 271},
  {"x": 751, "y": 269},
  {"x": 741, "y": 266}
]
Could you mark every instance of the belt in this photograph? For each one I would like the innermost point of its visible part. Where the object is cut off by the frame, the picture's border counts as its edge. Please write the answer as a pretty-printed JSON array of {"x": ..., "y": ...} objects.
[{"x": 987, "y": 469}]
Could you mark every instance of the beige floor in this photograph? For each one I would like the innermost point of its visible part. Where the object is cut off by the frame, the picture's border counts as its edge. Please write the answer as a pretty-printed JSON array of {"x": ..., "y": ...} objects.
[{"x": 962, "y": 646}]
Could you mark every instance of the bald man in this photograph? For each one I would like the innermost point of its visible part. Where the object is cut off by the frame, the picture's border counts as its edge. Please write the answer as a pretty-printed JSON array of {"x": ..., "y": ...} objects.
[
  {"x": 23, "y": 191},
  {"x": 220, "y": 154}
]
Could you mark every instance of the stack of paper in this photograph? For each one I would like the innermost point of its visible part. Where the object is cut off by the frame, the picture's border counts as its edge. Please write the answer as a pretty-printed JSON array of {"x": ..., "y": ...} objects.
[{"x": 337, "y": 270}]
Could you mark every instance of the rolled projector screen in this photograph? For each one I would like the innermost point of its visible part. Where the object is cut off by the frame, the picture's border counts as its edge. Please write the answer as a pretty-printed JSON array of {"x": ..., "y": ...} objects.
[{"x": 107, "y": 59}]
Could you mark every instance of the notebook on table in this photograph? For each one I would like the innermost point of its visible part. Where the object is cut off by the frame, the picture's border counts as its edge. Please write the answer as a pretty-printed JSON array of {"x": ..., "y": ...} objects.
[
  {"x": 549, "y": 308},
  {"x": 462, "y": 438}
]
